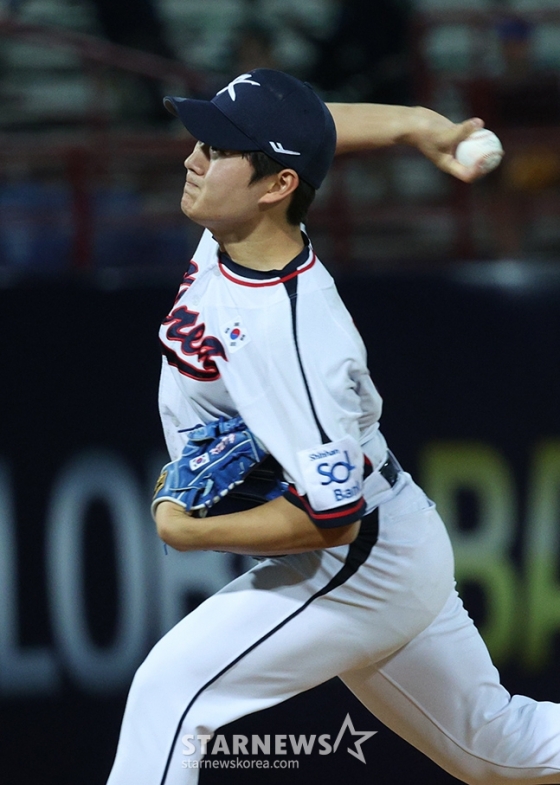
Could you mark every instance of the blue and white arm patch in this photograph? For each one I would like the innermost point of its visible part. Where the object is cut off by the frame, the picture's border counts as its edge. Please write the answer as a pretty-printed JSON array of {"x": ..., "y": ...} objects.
[{"x": 332, "y": 473}]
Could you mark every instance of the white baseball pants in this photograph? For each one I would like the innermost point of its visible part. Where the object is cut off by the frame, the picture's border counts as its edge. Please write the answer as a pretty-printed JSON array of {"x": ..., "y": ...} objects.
[{"x": 383, "y": 615}]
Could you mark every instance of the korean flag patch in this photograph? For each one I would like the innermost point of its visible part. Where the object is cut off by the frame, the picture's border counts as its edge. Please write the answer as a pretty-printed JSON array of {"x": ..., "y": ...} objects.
[
  {"x": 332, "y": 473},
  {"x": 235, "y": 335}
]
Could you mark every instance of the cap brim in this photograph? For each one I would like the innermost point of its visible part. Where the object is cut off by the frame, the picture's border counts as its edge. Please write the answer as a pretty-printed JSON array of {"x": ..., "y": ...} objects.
[{"x": 208, "y": 124}]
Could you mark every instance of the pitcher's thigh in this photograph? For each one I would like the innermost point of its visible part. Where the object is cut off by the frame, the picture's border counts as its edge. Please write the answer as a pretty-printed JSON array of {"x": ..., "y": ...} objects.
[{"x": 241, "y": 651}]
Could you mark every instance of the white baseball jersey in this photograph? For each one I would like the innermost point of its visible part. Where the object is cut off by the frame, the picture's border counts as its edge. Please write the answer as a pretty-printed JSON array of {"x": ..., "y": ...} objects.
[{"x": 280, "y": 349}]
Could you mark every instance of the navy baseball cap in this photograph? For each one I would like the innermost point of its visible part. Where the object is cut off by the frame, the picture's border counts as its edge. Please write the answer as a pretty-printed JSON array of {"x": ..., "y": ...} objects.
[{"x": 265, "y": 110}]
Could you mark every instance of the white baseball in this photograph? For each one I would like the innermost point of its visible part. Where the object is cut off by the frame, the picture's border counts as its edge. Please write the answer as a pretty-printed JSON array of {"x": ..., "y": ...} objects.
[{"x": 481, "y": 148}]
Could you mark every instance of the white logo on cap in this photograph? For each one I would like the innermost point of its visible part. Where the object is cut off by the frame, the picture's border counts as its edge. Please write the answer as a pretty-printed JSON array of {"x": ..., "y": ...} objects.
[
  {"x": 278, "y": 147},
  {"x": 243, "y": 79}
]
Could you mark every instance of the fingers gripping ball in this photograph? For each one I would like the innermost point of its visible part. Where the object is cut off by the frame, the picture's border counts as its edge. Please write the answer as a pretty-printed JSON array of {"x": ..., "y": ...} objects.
[
  {"x": 482, "y": 149},
  {"x": 216, "y": 458}
]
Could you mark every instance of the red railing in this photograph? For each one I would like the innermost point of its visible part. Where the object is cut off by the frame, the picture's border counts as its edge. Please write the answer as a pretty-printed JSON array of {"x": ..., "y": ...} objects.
[{"x": 96, "y": 50}]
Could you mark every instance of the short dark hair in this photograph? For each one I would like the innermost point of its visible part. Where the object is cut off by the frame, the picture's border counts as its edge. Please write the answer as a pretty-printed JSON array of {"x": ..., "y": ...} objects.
[{"x": 302, "y": 197}]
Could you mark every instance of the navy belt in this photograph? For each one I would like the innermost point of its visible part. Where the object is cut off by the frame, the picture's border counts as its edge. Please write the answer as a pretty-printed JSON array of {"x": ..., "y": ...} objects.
[{"x": 390, "y": 470}]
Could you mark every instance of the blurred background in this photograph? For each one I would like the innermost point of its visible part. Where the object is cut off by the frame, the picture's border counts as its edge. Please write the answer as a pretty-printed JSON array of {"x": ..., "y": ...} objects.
[
  {"x": 455, "y": 288},
  {"x": 90, "y": 161}
]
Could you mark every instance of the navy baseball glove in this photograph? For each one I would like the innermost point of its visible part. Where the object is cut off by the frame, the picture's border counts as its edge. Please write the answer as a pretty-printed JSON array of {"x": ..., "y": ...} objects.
[
  {"x": 263, "y": 484},
  {"x": 216, "y": 458}
]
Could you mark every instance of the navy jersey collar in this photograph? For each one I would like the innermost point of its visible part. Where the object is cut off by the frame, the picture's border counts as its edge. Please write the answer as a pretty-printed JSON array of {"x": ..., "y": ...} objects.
[{"x": 265, "y": 275}]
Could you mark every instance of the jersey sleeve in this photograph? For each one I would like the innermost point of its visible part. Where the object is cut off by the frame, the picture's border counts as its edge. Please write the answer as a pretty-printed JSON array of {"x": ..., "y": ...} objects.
[{"x": 303, "y": 387}]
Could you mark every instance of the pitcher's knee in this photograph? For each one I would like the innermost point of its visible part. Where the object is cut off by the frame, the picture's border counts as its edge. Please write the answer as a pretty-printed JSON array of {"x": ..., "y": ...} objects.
[
  {"x": 153, "y": 681},
  {"x": 146, "y": 683},
  {"x": 185, "y": 697},
  {"x": 170, "y": 673}
]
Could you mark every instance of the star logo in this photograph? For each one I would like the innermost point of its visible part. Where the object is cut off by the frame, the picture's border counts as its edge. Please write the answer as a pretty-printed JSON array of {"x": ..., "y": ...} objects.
[
  {"x": 243, "y": 79},
  {"x": 364, "y": 736}
]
